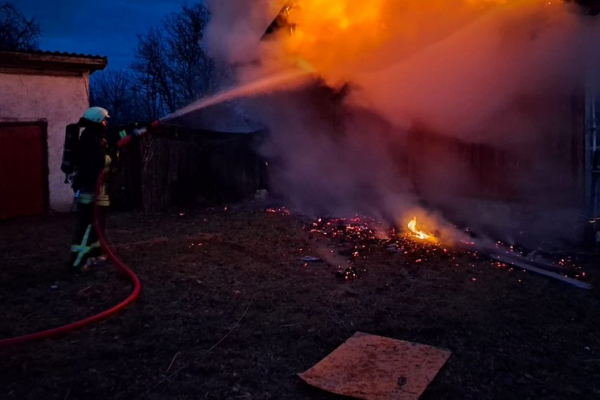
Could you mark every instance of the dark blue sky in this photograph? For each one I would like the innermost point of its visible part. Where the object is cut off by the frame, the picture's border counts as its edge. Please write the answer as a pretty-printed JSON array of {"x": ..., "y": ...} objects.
[{"x": 98, "y": 27}]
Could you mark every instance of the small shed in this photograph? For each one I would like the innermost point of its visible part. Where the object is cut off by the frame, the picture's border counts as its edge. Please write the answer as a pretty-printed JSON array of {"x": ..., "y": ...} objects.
[
  {"x": 40, "y": 93},
  {"x": 209, "y": 156}
]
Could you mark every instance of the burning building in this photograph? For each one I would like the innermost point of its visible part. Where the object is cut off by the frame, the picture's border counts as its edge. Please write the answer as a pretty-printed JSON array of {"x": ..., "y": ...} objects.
[
  {"x": 485, "y": 112},
  {"x": 482, "y": 112}
]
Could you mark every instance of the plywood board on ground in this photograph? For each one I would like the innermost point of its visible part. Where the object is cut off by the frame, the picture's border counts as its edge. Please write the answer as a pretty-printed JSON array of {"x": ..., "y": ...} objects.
[{"x": 377, "y": 368}]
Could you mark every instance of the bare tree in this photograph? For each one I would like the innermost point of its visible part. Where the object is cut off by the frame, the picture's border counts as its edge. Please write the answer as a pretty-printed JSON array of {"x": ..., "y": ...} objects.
[
  {"x": 170, "y": 67},
  {"x": 114, "y": 90},
  {"x": 154, "y": 73},
  {"x": 16, "y": 31},
  {"x": 193, "y": 70},
  {"x": 170, "y": 70}
]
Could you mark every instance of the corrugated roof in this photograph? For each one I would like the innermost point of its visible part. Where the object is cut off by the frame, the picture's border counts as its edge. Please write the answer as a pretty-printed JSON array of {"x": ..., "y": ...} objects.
[
  {"x": 56, "y": 53},
  {"x": 41, "y": 61}
]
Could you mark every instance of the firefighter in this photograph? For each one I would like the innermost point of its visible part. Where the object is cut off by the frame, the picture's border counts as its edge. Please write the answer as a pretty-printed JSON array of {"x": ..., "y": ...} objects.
[{"x": 95, "y": 151}]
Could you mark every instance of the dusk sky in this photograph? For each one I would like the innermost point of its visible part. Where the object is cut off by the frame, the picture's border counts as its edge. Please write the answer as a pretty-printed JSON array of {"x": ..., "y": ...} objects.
[{"x": 108, "y": 27}]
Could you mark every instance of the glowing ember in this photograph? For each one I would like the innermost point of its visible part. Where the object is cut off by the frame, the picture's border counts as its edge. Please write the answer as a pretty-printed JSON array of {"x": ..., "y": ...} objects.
[{"x": 412, "y": 226}]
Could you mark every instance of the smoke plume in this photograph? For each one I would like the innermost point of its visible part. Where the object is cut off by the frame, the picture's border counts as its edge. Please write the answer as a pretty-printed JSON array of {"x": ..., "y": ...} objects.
[{"x": 469, "y": 109}]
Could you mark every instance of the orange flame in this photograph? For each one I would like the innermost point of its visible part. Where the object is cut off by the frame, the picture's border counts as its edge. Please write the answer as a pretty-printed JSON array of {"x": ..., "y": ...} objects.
[
  {"x": 412, "y": 226},
  {"x": 334, "y": 35}
]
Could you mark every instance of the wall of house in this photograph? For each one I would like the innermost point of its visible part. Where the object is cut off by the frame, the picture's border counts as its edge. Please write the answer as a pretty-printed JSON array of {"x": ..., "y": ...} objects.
[{"x": 60, "y": 100}]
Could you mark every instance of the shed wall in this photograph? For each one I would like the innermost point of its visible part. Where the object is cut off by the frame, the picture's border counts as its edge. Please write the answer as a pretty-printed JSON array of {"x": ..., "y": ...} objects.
[{"x": 60, "y": 100}]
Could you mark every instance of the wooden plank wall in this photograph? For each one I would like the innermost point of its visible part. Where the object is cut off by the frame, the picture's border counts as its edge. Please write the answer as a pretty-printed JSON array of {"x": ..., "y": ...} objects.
[{"x": 199, "y": 168}]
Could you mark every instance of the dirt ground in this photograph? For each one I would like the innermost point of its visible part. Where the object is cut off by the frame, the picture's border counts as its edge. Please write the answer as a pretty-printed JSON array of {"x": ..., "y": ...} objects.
[{"x": 229, "y": 311}]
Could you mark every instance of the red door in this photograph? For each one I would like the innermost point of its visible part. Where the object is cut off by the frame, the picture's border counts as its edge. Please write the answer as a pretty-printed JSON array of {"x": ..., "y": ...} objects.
[{"x": 23, "y": 171}]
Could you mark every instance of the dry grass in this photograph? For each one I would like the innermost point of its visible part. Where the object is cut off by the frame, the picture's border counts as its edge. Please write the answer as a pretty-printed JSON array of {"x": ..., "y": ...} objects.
[{"x": 228, "y": 311}]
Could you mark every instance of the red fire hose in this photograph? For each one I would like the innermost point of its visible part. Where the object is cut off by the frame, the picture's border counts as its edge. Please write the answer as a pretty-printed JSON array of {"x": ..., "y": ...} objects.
[
  {"x": 95, "y": 318},
  {"x": 104, "y": 314}
]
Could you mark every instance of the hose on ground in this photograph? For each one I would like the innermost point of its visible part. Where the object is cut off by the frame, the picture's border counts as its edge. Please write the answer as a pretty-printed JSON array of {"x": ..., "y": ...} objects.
[{"x": 110, "y": 254}]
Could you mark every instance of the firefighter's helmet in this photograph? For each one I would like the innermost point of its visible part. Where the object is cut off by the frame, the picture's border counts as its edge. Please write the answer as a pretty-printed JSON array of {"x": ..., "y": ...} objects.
[{"x": 96, "y": 114}]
